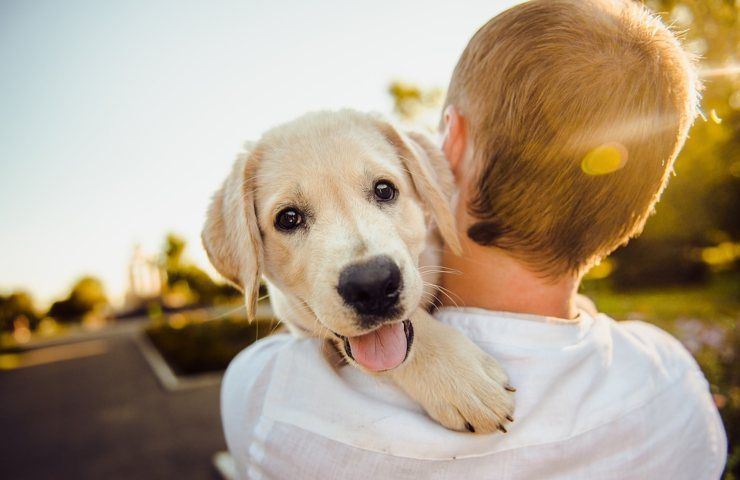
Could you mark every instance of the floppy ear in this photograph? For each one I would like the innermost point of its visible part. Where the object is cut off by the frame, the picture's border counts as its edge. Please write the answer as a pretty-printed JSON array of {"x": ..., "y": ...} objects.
[
  {"x": 231, "y": 235},
  {"x": 431, "y": 177}
]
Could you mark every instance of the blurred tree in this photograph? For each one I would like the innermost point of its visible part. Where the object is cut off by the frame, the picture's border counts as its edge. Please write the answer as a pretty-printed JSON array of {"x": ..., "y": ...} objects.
[
  {"x": 416, "y": 105},
  {"x": 15, "y": 306},
  {"x": 87, "y": 295},
  {"x": 174, "y": 246},
  {"x": 187, "y": 283}
]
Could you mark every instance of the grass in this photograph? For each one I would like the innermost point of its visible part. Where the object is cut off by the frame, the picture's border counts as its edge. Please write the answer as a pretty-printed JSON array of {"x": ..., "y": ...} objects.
[{"x": 717, "y": 302}]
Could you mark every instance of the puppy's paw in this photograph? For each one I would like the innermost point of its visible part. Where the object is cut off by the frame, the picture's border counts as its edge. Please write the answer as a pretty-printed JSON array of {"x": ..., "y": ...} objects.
[
  {"x": 457, "y": 384},
  {"x": 472, "y": 396}
]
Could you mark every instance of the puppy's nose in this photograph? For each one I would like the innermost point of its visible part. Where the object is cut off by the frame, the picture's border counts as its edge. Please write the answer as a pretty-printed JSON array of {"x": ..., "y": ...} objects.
[{"x": 372, "y": 287}]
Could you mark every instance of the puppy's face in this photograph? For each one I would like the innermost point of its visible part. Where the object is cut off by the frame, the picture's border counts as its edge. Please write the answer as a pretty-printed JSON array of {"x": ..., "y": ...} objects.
[
  {"x": 342, "y": 225},
  {"x": 333, "y": 209}
]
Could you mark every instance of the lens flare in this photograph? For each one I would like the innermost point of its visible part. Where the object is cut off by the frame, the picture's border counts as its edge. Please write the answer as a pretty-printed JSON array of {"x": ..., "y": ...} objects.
[
  {"x": 715, "y": 117},
  {"x": 723, "y": 71},
  {"x": 604, "y": 159}
]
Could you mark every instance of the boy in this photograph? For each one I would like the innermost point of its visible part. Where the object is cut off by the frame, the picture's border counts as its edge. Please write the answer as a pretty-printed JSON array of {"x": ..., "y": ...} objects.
[{"x": 562, "y": 122}]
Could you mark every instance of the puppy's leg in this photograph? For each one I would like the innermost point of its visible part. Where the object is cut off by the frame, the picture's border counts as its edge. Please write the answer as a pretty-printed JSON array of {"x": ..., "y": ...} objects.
[{"x": 457, "y": 384}]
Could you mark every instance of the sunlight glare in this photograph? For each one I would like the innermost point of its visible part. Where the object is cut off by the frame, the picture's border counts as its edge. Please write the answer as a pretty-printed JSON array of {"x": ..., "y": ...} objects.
[
  {"x": 604, "y": 159},
  {"x": 715, "y": 118},
  {"x": 727, "y": 70}
]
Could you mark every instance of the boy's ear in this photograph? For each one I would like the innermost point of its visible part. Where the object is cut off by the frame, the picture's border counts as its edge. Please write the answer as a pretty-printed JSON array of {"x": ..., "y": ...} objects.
[
  {"x": 231, "y": 235},
  {"x": 454, "y": 138},
  {"x": 431, "y": 177}
]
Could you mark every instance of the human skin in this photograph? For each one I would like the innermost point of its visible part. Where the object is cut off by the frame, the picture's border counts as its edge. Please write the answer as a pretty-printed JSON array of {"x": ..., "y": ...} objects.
[{"x": 489, "y": 277}]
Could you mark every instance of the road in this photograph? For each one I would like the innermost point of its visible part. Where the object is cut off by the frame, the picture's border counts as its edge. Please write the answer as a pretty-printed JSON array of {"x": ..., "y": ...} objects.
[{"x": 94, "y": 409}]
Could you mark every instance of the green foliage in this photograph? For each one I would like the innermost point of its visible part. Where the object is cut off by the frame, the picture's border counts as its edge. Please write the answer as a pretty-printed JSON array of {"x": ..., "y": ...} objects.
[
  {"x": 189, "y": 281},
  {"x": 716, "y": 302},
  {"x": 413, "y": 104},
  {"x": 174, "y": 246},
  {"x": 649, "y": 262},
  {"x": 15, "y": 306},
  {"x": 87, "y": 295}
]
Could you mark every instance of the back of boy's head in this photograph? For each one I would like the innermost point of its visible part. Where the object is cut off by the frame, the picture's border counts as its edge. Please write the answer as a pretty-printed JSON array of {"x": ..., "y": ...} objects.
[{"x": 576, "y": 110}]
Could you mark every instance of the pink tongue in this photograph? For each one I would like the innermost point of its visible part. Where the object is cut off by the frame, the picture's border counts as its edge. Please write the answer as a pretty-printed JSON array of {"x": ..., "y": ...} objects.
[{"x": 381, "y": 349}]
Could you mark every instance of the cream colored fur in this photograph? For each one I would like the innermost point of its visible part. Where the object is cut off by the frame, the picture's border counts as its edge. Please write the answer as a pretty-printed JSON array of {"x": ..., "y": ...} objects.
[{"x": 326, "y": 163}]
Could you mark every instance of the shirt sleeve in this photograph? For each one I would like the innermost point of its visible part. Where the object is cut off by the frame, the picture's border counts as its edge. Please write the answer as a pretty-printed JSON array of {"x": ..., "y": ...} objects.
[
  {"x": 700, "y": 434},
  {"x": 668, "y": 351}
]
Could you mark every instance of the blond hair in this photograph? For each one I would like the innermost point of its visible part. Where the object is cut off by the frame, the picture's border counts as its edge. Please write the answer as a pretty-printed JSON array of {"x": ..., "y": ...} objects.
[{"x": 576, "y": 110}]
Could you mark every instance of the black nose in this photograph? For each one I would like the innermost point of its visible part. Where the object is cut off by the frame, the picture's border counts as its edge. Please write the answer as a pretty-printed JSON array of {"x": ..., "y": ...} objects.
[{"x": 372, "y": 287}]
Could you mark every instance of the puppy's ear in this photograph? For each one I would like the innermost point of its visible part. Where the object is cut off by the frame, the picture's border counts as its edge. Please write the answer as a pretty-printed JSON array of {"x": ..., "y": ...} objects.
[
  {"x": 231, "y": 235},
  {"x": 431, "y": 177}
]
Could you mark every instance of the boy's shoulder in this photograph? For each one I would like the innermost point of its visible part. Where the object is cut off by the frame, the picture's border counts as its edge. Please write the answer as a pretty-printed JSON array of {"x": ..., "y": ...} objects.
[{"x": 661, "y": 348}]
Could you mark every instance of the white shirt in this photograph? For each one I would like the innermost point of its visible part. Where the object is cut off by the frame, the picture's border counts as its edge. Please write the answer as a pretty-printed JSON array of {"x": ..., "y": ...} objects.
[{"x": 595, "y": 399}]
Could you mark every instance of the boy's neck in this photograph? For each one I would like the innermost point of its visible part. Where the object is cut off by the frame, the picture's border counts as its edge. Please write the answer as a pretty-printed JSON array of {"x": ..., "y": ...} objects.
[{"x": 487, "y": 277}]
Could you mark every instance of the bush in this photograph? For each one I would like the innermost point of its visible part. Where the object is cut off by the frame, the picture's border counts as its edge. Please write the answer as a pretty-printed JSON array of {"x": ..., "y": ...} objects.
[
  {"x": 657, "y": 263},
  {"x": 14, "y": 306},
  {"x": 87, "y": 295},
  {"x": 201, "y": 347}
]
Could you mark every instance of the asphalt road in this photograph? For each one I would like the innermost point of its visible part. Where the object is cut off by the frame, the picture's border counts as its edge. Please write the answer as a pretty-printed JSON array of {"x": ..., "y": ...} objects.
[{"x": 103, "y": 415}]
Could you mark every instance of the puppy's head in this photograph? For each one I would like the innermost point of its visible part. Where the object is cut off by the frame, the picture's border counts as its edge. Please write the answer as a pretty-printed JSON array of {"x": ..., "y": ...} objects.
[{"x": 334, "y": 209}]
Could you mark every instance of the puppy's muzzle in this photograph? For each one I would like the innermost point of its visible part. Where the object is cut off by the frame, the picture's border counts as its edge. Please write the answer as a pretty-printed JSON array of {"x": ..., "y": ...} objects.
[{"x": 372, "y": 289}]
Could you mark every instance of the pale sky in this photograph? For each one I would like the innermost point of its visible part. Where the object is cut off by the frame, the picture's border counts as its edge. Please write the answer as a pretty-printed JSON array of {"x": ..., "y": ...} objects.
[{"x": 118, "y": 120}]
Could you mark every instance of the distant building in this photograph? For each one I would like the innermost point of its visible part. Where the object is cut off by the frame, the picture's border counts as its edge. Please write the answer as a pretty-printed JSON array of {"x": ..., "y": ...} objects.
[{"x": 146, "y": 278}]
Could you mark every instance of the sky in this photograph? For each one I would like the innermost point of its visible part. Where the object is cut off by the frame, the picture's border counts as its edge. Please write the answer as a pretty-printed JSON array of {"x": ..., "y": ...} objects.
[{"x": 118, "y": 120}]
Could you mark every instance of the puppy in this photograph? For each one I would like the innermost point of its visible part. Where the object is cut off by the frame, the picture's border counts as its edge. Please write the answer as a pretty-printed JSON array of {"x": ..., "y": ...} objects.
[{"x": 344, "y": 217}]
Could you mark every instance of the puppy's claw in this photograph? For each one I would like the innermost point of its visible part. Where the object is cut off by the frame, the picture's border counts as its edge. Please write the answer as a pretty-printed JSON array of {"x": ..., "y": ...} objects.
[
  {"x": 469, "y": 427},
  {"x": 501, "y": 427},
  {"x": 509, "y": 418},
  {"x": 510, "y": 388}
]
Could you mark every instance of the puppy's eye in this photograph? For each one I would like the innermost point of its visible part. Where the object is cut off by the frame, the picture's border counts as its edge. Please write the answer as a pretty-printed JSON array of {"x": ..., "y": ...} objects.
[
  {"x": 288, "y": 219},
  {"x": 385, "y": 191}
]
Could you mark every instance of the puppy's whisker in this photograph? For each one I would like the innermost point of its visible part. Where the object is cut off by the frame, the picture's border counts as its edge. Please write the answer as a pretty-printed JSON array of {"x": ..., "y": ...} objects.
[
  {"x": 439, "y": 269},
  {"x": 436, "y": 266},
  {"x": 449, "y": 298},
  {"x": 447, "y": 293},
  {"x": 321, "y": 328},
  {"x": 277, "y": 325},
  {"x": 226, "y": 314},
  {"x": 444, "y": 291},
  {"x": 448, "y": 272}
]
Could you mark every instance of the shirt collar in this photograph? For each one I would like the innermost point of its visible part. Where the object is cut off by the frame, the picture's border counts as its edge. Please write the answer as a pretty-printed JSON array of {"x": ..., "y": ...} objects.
[{"x": 517, "y": 329}]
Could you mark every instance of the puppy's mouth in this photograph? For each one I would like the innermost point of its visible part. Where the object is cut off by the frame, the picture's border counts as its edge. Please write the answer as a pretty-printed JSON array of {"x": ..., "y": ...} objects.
[{"x": 383, "y": 349}]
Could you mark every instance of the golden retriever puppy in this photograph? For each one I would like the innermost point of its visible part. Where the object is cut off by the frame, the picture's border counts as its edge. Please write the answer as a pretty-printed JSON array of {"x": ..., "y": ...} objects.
[{"x": 344, "y": 217}]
